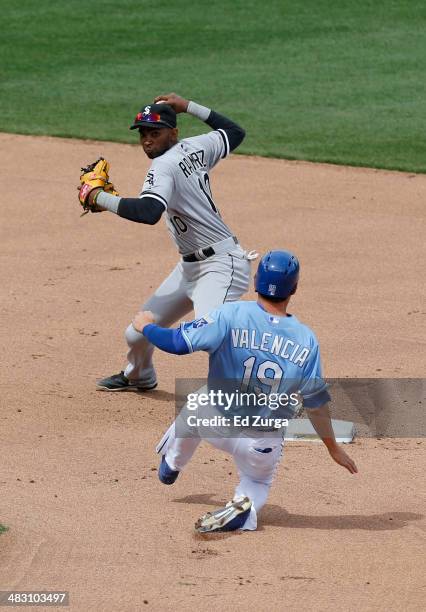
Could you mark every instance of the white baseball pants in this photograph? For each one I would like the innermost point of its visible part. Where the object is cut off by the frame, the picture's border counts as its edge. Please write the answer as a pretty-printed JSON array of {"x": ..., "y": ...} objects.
[
  {"x": 256, "y": 459},
  {"x": 200, "y": 286}
]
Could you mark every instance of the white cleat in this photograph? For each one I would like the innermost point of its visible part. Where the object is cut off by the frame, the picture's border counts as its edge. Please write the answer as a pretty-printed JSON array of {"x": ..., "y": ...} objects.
[{"x": 230, "y": 518}]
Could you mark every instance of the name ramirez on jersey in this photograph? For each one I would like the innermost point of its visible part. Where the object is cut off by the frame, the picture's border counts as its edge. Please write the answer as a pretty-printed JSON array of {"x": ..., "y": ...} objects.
[{"x": 193, "y": 161}]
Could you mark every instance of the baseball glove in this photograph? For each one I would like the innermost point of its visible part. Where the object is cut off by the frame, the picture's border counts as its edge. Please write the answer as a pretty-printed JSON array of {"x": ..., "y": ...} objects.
[{"x": 94, "y": 176}]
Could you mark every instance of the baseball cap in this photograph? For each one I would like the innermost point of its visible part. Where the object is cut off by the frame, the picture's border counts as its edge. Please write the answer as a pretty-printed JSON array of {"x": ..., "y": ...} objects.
[{"x": 155, "y": 115}]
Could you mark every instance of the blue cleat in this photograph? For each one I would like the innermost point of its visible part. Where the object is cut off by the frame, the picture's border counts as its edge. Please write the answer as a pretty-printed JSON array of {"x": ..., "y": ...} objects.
[
  {"x": 165, "y": 473},
  {"x": 230, "y": 518}
]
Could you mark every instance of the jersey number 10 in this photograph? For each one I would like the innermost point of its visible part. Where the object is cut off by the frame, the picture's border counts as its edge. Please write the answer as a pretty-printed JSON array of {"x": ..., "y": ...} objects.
[{"x": 179, "y": 224}]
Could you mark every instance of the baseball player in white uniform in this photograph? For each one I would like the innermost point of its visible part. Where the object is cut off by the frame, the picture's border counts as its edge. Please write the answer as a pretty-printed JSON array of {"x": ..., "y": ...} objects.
[
  {"x": 258, "y": 347},
  {"x": 213, "y": 268}
]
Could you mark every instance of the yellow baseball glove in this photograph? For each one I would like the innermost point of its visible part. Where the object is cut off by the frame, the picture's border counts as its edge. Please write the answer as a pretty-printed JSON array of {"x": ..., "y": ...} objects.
[{"x": 94, "y": 176}]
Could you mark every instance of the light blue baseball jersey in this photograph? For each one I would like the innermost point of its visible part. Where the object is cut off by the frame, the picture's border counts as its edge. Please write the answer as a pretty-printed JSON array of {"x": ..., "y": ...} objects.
[{"x": 267, "y": 353}]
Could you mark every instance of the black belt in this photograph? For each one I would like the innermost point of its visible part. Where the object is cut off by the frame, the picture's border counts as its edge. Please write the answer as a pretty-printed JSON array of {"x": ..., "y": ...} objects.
[
  {"x": 208, "y": 252},
  {"x": 203, "y": 253}
]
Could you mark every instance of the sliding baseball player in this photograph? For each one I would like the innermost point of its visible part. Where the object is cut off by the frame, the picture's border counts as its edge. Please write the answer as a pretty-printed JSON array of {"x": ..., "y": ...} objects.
[{"x": 271, "y": 354}]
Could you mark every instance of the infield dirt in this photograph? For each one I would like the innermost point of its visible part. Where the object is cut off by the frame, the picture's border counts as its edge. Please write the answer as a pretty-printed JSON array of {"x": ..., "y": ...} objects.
[{"x": 79, "y": 489}]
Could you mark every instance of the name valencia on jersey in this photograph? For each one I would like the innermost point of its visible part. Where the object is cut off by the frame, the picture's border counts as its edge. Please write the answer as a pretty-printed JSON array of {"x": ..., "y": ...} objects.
[{"x": 270, "y": 343}]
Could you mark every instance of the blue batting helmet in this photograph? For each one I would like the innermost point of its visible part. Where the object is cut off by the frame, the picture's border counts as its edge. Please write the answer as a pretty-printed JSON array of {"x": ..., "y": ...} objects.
[{"x": 277, "y": 274}]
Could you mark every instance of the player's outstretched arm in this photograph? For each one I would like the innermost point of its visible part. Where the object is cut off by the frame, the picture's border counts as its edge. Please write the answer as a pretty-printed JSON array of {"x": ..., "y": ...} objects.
[
  {"x": 234, "y": 132},
  {"x": 321, "y": 422},
  {"x": 205, "y": 334},
  {"x": 168, "y": 340},
  {"x": 141, "y": 210}
]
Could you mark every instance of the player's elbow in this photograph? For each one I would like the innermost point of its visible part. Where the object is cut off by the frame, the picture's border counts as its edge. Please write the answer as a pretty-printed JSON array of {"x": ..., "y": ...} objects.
[
  {"x": 153, "y": 218},
  {"x": 241, "y": 133},
  {"x": 151, "y": 211},
  {"x": 236, "y": 137}
]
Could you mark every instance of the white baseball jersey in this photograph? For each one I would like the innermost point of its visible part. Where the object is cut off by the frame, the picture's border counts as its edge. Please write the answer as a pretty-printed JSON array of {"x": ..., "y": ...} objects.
[{"x": 180, "y": 180}]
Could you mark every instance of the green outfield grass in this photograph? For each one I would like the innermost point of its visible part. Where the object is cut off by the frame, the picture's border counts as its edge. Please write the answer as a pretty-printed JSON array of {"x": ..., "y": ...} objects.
[{"x": 309, "y": 79}]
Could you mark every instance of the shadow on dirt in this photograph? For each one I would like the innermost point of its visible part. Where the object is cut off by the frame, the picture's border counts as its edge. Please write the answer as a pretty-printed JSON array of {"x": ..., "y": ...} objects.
[{"x": 279, "y": 517}]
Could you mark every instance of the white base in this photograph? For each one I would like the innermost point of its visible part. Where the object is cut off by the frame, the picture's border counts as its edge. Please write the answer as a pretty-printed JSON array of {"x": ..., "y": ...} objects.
[{"x": 301, "y": 430}]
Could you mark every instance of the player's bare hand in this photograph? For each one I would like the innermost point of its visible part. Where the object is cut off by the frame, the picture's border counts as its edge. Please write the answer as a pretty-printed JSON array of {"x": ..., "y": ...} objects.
[
  {"x": 178, "y": 104},
  {"x": 142, "y": 319},
  {"x": 339, "y": 456}
]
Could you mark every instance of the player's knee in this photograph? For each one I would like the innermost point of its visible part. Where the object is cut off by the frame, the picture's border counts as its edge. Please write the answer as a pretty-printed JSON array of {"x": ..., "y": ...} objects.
[{"x": 132, "y": 336}]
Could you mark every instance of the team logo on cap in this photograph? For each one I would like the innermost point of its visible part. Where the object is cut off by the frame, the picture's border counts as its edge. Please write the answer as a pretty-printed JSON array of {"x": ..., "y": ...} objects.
[
  {"x": 146, "y": 115},
  {"x": 272, "y": 289}
]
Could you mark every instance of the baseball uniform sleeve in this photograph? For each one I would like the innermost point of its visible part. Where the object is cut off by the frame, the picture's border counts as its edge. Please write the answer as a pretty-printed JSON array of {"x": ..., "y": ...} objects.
[
  {"x": 215, "y": 145},
  {"x": 207, "y": 333},
  {"x": 234, "y": 133},
  {"x": 314, "y": 388},
  {"x": 168, "y": 340},
  {"x": 231, "y": 133},
  {"x": 159, "y": 182},
  {"x": 147, "y": 210}
]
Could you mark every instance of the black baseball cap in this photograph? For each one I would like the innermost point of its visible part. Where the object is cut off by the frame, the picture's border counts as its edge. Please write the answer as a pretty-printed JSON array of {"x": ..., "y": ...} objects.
[{"x": 155, "y": 115}]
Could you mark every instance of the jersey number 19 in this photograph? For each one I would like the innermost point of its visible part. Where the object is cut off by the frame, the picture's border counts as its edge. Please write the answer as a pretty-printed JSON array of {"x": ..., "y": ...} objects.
[{"x": 260, "y": 375}]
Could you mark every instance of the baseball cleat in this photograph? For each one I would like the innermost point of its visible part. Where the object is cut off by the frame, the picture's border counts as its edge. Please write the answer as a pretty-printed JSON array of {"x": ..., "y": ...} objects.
[
  {"x": 120, "y": 382},
  {"x": 231, "y": 517},
  {"x": 165, "y": 472}
]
